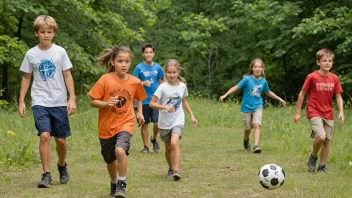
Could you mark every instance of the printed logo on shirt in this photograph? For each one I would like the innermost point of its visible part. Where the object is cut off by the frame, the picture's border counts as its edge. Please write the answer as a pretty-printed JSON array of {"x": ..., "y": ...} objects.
[
  {"x": 324, "y": 86},
  {"x": 124, "y": 97},
  {"x": 174, "y": 100},
  {"x": 256, "y": 90},
  {"x": 47, "y": 69},
  {"x": 148, "y": 74}
]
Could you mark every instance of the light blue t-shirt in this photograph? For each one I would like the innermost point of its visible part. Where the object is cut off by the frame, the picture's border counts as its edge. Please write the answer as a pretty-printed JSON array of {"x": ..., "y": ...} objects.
[
  {"x": 152, "y": 73},
  {"x": 252, "y": 90}
]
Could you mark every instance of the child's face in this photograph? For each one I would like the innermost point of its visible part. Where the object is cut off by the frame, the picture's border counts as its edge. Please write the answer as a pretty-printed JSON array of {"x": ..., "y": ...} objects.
[
  {"x": 45, "y": 35},
  {"x": 257, "y": 69},
  {"x": 122, "y": 63},
  {"x": 172, "y": 74},
  {"x": 325, "y": 63},
  {"x": 148, "y": 54}
]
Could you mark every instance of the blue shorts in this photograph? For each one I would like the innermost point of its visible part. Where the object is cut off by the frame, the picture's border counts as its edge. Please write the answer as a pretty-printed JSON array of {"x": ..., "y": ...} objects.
[
  {"x": 53, "y": 120},
  {"x": 150, "y": 114}
]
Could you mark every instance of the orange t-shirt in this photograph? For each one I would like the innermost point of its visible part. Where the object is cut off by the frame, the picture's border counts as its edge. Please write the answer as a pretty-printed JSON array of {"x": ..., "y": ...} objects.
[{"x": 120, "y": 117}]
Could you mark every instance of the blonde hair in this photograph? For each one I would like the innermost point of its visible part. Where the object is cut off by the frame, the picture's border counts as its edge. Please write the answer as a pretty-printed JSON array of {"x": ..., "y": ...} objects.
[
  {"x": 324, "y": 52},
  {"x": 109, "y": 55},
  {"x": 250, "y": 71},
  {"x": 175, "y": 63},
  {"x": 44, "y": 20}
]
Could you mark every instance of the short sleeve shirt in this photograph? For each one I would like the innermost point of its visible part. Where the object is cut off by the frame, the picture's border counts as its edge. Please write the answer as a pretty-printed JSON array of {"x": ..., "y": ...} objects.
[
  {"x": 252, "y": 90},
  {"x": 121, "y": 117},
  {"x": 321, "y": 90},
  {"x": 152, "y": 73},
  {"x": 48, "y": 87},
  {"x": 171, "y": 95}
]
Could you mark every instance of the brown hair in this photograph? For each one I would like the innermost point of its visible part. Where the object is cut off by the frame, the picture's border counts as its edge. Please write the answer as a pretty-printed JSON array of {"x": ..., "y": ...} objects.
[
  {"x": 324, "y": 52},
  {"x": 250, "y": 72},
  {"x": 44, "y": 20},
  {"x": 109, "y": 54},
  {"x": 175, "y": 63},
  {"x": 147, "y": 45}
]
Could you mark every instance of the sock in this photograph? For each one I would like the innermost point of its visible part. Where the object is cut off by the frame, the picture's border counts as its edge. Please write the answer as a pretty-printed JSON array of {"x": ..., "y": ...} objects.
[
  {"x": 113, "y": 182},
  {"x": 122, "y": 178}
]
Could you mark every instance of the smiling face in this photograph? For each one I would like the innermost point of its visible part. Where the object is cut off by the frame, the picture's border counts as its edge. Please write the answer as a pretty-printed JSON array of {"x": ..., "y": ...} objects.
[
  {"x": 257, "y": 69},
  {"x": 325, "y": 63},
  {"x": 172, "y": 74},
  {"x": 148, "y": 55},
  {"x": 122, "y": 63},
  {"x": 45, "y": 35}
]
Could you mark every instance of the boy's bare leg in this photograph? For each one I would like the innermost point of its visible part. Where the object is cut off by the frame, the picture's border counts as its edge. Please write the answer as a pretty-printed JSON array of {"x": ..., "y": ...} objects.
[
  {"x": 256, "y": 133},
  {"x": 44, "y": 150},
  {"x": 61, "y": 149},
  {"x": 112, "y": 169},
  {"x": 246, "y": 134},
  {"x": 168, "y": 154},
  {"x": 324, "y": 151},
  {"x": 155, "y": 130},
  {"x": 318, "y": 142},
  {"x": 121, "y": 161},
  {"x": 144, "y": 133}
]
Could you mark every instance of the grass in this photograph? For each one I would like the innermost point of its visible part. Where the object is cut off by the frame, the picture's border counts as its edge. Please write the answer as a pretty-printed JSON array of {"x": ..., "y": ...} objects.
[{"x": 213, "y": 162}]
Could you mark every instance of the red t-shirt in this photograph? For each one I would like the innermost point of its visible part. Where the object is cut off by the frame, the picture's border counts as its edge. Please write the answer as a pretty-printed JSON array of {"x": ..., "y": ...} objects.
[
  {"x": 120, "y": 117},
  {"x": 321, "y": 89}
]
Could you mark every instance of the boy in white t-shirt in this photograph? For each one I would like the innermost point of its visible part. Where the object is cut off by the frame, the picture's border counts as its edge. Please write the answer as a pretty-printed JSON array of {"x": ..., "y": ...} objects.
[{"x": 51, "y": 69}]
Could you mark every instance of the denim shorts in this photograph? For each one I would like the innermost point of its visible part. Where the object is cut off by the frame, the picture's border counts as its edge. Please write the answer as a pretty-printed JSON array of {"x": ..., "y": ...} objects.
[
  {"x": 53, "y": 120},
  {"x": 122, "y": 140},
  {"x": 150, "y": 114}
]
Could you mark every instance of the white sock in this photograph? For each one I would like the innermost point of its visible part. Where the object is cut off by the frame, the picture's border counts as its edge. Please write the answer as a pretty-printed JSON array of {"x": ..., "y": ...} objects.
[
  {"x": 122, "y": 178},
  {"x": 113, "y": 182}
]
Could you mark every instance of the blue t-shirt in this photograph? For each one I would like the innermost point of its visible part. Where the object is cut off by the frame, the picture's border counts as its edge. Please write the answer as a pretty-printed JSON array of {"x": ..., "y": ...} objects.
[
  {"x": 252, "y": 90},
  {"x": 152, "y": 73}
]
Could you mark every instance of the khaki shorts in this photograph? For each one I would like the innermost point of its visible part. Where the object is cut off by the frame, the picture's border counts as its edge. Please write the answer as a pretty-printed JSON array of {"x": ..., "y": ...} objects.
[
  {"x": 252, "y": 118},
  {"x": 165, "y": 134},
  {"x": 321, "y": 127}
]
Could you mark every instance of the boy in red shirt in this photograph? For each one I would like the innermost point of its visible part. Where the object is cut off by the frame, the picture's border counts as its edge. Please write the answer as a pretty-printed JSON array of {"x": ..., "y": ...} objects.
[{"x": 321, "y": 85}]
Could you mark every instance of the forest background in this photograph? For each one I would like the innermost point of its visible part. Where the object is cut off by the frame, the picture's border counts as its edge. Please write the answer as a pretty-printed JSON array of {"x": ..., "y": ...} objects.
[{"x": 215, "y": 40}]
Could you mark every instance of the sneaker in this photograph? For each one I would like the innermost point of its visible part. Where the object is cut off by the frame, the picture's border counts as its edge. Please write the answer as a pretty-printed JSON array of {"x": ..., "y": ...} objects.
[
  {"x": 246, "y": 145},
  {"x": 256, "y": 149},
  {"x": 64, "y": 176},
  {"x": 169, "y": 173},
  {"x": 120, "y": 189},
  {"x": 145, "y": 150},
  {"x": 112, "y": 189},
  {"x": 322, "y": 168},
  {"x": 155, "y": 143},
  {"x": 176, "y": 175},
  {"x": 312, "y": 163},
  {"x": 46, "y": 181}
]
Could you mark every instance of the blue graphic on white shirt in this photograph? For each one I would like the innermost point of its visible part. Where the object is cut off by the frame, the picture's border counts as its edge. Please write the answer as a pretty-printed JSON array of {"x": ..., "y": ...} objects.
[
  {"x": 256, "y": 90},
  {"x": 174, "y": 100},
  {"x": 47, "y": 69}
]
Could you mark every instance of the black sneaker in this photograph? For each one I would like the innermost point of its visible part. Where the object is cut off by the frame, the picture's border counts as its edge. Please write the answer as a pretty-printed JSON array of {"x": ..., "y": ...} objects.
[
  {"x": 176, "y": 175},
  {"x": 145, "y": 150},
  {"x": 169, "y": 173},
  {"x": 46, "y": 181},
  {"x": 64, "y": 176},
  {"x": 112, "y": 189},
  {"x": 120, "y": 189},
  {"x": 256, "y": 149},
  {"x": 246, "y": 145},
  {"x": 312, "y": 163},
  {"x": 155, "y": 143},
  {"x": 322, "y": 168}
]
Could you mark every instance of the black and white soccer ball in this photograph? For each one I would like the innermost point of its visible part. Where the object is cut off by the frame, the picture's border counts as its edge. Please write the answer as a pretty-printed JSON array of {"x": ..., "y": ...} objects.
[{"x": 271, "y": 176}]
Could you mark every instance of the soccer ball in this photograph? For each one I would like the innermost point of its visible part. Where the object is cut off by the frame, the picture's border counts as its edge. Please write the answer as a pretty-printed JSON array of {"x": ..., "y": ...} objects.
[{"x": 271, "y": 176}]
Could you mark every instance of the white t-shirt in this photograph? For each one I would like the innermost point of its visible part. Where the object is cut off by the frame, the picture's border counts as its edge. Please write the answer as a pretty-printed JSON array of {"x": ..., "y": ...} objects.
[
  {"x": 171, "y": 95},
  {"x": 48, "y": 87}
]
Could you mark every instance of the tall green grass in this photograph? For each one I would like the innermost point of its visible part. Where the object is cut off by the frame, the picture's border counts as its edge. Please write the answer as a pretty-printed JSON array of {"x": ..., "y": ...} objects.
[{"x": 213, "y": 162}]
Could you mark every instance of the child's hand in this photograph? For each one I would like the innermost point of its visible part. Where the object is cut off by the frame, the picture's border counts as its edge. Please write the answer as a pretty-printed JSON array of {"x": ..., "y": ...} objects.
[
  {"x": 22, "y": 109},
  {"x": 140, "y": 120},
  {"x": 147, "y": 83},
  {"x": 283, "y": 102},
  {"x": 113, "y": 100},
  {"x": 341, "y": 118},
  {"x": 222, "y": 98},
  {"x": 169, "y": 108},
  {"x": 297, "y": 118},
  {"x": 71, "y": 107},
  {"x": 194, "y": 121}
]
